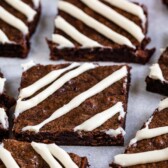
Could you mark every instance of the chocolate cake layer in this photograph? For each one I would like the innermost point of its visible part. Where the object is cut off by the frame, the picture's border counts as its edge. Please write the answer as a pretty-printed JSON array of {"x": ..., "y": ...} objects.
[
  {"x": 18, "y": 43},
  {"x": 150, "y": 143},
  {"x": 157, "y": 80},
  {"x": 62, "y": 129},
  {"x": 25, "y": 156},
  {"x": 109, "y": 50}
]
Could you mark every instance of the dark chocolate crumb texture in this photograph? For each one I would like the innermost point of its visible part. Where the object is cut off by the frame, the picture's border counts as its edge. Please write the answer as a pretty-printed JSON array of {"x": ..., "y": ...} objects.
[
  {"x": 18, "y": 21},
  {"x": 101, "y": 30},
  {"x": 6, "y": 103},
  {"x": 73, "y": 104},
  {"x": 157, "y": 80},
  {"x": 15, "y": 154},
  {"x": 149, "y": 148}
]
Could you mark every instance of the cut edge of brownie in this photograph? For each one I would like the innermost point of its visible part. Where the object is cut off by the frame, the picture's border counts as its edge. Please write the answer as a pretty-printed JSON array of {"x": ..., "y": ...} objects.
[{"x": 74, "y": 138}]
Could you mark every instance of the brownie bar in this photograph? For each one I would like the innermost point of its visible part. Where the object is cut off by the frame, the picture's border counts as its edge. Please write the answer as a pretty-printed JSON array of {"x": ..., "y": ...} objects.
[
  {"x": 17, "y": 43},
  {"x": 6, "y": 103},
  {"x": 165, "y": 2},
  {"x": 26, "y": 156},
  {"x": 150, "y": 144},
  {"x": 63, "y": 129},
  {"x": 157, "y": 80},
  {"x": 64, "y": 45}
]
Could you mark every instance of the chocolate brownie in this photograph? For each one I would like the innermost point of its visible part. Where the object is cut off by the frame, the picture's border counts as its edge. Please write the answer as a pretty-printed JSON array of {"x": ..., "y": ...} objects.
[
  {"x": 81, "y": 104},
  {"x": 37, "y": 155},
  {"x": 157, "y": 80},
  {"x": 149, "y": 148},
  {"x": 165, "y": 2},
  {"x": 18, "y": 22},
  {"x": 6, "y": 103},
  {"x": 100, "y": 31}
]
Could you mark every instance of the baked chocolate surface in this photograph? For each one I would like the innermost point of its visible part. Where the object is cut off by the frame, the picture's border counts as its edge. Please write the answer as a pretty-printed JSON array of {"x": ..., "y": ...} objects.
[
  {"x": 157, "y": 143},
  {"x": 21, "y": 46},
  {"x": 61, "y": 130},
  {"x": 111, "y": 51},
  {"x": 27, "y": 157},
  {"x": 158, "y": 86}
]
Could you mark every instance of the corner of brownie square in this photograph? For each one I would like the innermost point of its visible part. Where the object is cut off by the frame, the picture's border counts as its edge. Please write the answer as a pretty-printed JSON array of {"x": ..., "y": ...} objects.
[{"x": 73, "y": 104}]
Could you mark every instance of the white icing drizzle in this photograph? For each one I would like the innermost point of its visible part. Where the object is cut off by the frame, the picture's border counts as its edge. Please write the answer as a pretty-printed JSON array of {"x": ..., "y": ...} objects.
[
  {"x": 76, "y": 101},
  {"x": 163, "y": 104},
  {"x": 4, "y": 118},
  {"x": 7, "y": 158},
  {"x": 100, "y": 118},
  {"x": 63, "y": 25},
  {"x": 126, "y": 160},
  {"x": 130, "y": 8},
  {"x": 2, "y": 84},
  {"x": 62, "y": 41},
  {"x": 156, "y": 72},
  {"x": 148, "y": 122},
  {"x": 25, "y": 105},
  {"x": 94, "y": 24},
  {"x": 115, "y": 133},
  {"x": 115, "y": 17},
  {"x": 36, "y": 3},
  {"x": 48, "y": 151},
  {"x": 13, "y": 21},
  {"x": 28, "y": 65},
  {"x": 3, "y": 38},
  {"x": 23, "y": 8}
]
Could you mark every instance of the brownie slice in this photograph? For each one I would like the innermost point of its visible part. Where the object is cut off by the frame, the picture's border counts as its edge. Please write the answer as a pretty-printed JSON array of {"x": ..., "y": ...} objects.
[
  {"x": 87, "y": 35},
  {"x": 157, "y": 80},
  {"x": 76, "y": 96},
  {"x": 24, "y": 155},
  {"x": 6, "y": 102},
  {"x": 14, "y": 41},
  {"x": 149, "y": 148},
  {"x": 165, "y": 2}
]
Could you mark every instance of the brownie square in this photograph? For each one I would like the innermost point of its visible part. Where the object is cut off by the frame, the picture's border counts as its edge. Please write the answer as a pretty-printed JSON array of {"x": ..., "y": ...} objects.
[
  {"x": 78, "y": 37},
  {"x": 18, "y": 26},
  {"x": 6, "y": 102},
  {"x": 79, "y": 100},
  {"x": 157, "y": 80},
  {"x": 150, "y": 145},
  {"x": 25, "y": 155}
]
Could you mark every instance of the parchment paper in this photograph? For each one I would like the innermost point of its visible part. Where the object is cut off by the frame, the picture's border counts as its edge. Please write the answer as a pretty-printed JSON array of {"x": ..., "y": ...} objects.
[{"x": 141, "y": 103}]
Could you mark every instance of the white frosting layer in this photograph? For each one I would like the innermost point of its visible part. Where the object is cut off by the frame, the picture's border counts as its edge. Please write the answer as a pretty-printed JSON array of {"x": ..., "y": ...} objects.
[
  {"x": 23, "y": 8},
  {"x": 2, "y": 84},
  {"x": 149, "y": 133},
  {"x": 125, "y": 160},
  {"x": 76, "y": 101},
  {"x": 93, "y": 23},
  {"x": 156, "y": 72},
  {"x": 66, "y": 27},
  {"x": 36, "y": 3},
  {"x": 25, "y": 105},
  {"x": 100, "y": 118},
  {"x": 115, "y": 133},
  {"x": 4, "y": 118},
  {"x": 116, "y": 17},
  {"x": 7, "y": 159},
  {"x": 130, "y": 8},
  {"x": 163, "y": 104},
  {"x": 13, "y": 21},
  {"x": 3, "y": 38},
  {"x": 48, "y": 152},
  {"x": 62, "y": 41},
  {"x": 28, "y": 65}
]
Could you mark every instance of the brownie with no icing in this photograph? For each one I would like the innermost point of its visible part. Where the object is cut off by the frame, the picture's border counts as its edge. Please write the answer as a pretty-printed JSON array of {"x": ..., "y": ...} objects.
[
  {"x": 61, "y": 130},
  {"x": 110, "y": 51},
  {"x": 157, "y": 80},
  {"x": 156, "y": 143},
  {"x": 19, "y": 44},
  {"x": 25, "y": 156},
  {"x": 6, "y": 102}
]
